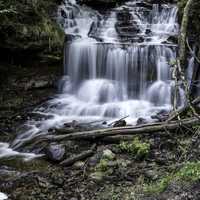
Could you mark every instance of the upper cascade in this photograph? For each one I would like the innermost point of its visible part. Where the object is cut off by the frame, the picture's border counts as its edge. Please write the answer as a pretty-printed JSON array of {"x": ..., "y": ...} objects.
[{"x": 132, "y": 22}]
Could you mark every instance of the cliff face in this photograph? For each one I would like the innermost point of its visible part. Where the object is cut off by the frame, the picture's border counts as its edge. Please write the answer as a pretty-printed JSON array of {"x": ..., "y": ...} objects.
[
  {"x": 30, "y": 54},
  {"x": 29, "y": 26}
]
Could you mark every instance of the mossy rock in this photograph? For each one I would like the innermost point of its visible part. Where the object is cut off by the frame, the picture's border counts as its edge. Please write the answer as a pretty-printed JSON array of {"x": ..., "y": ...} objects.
[{"x": 30, "y": 26}]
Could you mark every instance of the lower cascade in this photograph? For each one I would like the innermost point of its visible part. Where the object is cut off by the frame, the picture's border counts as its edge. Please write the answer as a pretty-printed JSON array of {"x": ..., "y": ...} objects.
[{"x": 116, "y": 64}]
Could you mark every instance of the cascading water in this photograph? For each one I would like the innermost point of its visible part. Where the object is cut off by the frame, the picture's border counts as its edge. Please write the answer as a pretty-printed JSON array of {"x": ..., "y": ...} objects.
[
  {"x": 117, "y": 64},
  {"x": 121, "y": 67}
]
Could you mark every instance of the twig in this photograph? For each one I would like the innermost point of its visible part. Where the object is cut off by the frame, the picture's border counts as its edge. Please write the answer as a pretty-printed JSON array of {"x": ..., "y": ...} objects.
[{"x": 81, "y": 156}]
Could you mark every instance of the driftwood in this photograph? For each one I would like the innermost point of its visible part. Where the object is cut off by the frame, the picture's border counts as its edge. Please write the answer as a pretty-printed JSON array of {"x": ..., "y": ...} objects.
[
  {"x": 132, "y": 130},
  {"x": 81, "y": 156}
]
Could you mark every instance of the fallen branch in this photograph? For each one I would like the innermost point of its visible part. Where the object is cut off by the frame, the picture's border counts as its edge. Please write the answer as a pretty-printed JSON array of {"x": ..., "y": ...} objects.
[
  {"x": 81, "y": 156},
  {"x": 132, "y": 130}
]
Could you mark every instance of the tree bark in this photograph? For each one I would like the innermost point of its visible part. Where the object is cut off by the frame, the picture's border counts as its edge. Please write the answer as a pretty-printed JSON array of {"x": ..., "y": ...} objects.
[
  {"x": 183, "y": 33},
  {"x": 132, "y": 130}
]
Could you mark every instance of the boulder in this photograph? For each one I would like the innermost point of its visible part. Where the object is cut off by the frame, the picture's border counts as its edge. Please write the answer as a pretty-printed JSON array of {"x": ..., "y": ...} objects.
[
  {"x": 141, "y": 121},
  {"x": 119, "y": 123},
  {"x": 108, "y": 154},
  {"x": 55, "y": 152}
]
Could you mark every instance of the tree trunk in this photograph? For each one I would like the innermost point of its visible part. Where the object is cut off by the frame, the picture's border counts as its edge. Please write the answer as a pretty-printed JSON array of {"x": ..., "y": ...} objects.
[{"x": 183, "y": 34}]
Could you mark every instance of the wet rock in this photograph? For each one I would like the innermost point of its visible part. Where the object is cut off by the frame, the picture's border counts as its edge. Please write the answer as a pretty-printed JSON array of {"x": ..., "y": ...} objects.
[
  {"x": 100, "y": 3},
  {"x": 42, "y": 182},
  {"x": 161, "y": 116},
  {"x": 94, "y": 160},
  {"x": 55, "y": 152},
  {"x": 40, "y": 83},
  {"x": 108, "y": 154},
  {"x": 119, "y": 123},
  {"x": 151, "y": 174},
  {"x": 79, "y": 165},
  {"x": 173, "y": 39},
  {"x": 97, "y": 176},
  {"x": 123, "y": 162},
  {"x": 141, "y": 121}
]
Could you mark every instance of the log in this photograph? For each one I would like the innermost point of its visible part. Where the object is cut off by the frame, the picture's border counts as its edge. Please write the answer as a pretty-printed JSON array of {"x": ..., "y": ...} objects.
[
  {"x": 132, "y": 130},
  {"x": 81, "y": 156},
  {"x": 119, "y": 138}
]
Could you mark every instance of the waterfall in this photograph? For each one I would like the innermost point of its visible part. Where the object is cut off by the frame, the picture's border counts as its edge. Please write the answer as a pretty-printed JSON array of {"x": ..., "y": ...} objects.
[
  {"x": 122, "y": 66},
  {"x": 116, "y": 64}
]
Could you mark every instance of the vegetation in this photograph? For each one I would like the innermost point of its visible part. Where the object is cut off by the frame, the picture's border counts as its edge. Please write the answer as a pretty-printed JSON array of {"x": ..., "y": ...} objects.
[
  {"x": 189, "y": 172},
  {"x": 29, "y": 25},
  {"x": 136, "y": 148}
]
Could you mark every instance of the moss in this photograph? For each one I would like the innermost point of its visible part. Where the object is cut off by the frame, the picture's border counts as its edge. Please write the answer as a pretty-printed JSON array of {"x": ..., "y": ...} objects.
[
  {"x": 30, "y": 25},
  {"x": 136, "y": 148},
  {"x": 102, "y": 165},
  {"x": 190, "y": 172}
]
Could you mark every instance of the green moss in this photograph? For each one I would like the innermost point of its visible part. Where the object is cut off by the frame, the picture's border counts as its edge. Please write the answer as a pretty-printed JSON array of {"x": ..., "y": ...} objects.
[
  {"x": 190, "y": 172},
  {"x": 135, "y": 148},
  {"x": 159, "y": 186},
  {"x": 102, "y": 165},
  {"x": 29, "y": 25}
]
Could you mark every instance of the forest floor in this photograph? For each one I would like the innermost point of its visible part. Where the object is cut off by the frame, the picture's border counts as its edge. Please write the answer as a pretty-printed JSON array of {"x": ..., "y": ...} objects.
[{"x": 150, "y": 167}]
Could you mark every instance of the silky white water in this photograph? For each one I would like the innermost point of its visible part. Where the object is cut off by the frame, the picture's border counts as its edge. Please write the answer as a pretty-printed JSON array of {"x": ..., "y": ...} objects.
[{"x": 117, "y": 64}]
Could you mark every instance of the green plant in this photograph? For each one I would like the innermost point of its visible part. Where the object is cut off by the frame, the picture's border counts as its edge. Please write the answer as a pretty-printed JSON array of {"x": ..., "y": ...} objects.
[
  {"x": 159, "y": 186},
  {"x": 188, "y": 173},
  {"x": 136, "y": 148},
  {"x": 102, "y": 166}
]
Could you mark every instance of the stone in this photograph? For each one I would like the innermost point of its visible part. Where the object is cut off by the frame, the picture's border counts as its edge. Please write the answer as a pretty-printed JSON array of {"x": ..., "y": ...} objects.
[
  {"x": 55, "y": 152},
  {"x": 141, "y": 121},
  {"x": 108, "y": 154},
  {"x": 79, "y": 165},
  {"x": 119, "y": 123},
  {"x": 97, "y": 176},
  {"x": 151, "y": 174},
  {"x": 94, "y": 160}
]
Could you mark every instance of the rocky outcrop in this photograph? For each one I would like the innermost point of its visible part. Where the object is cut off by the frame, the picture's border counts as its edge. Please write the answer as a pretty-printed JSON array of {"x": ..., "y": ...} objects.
[{"x": 29, "y": 27}]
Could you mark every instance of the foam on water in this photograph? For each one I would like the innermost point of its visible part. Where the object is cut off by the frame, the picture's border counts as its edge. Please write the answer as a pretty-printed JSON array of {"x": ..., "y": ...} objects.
[
  {"x": 3, "y": 196},
  {"x": 6, "y": 151}
]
